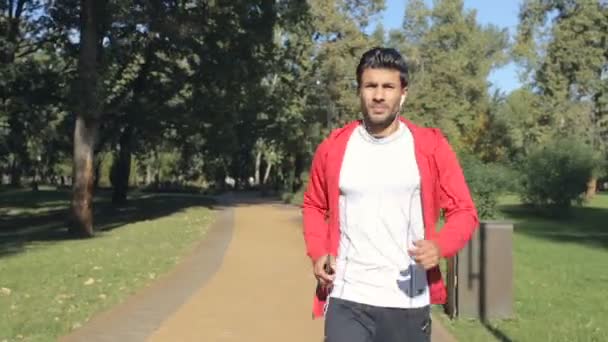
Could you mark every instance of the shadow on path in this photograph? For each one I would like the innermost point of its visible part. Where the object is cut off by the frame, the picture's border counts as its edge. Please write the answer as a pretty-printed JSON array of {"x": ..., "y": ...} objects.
[
  {"x": 46, "y": 219},
  {"x": 584, "y": 225}
]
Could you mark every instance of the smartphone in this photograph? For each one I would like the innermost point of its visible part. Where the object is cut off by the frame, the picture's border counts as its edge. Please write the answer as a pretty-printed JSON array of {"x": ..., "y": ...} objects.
[{"x": 328, "y": 268}]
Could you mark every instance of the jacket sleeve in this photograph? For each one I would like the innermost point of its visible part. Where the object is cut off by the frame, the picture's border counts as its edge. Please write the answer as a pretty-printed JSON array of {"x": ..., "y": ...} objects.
[
  {"x": 315, "y": 207},
  {"x": 461, "y": 217}
]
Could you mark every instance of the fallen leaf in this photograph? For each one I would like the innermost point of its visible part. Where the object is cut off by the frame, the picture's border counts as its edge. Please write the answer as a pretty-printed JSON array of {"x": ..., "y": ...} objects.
[
  {"x": 90, "y": 281},
  {"x": 5, "y": 291}
]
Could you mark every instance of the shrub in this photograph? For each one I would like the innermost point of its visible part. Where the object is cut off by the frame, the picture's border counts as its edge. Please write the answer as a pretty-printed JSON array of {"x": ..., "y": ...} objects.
[
  {"x": 487, "y": 181},
  {"x": 296, "y": 198},
  {"x": 556, "y": 174}
]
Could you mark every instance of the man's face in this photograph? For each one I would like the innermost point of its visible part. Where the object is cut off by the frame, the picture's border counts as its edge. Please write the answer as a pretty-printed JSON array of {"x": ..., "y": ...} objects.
[{"x": 380, "y": 95}]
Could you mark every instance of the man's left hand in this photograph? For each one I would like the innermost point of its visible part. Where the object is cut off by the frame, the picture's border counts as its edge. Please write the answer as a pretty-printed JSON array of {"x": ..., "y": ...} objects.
[{"x": 426, "y": 253}]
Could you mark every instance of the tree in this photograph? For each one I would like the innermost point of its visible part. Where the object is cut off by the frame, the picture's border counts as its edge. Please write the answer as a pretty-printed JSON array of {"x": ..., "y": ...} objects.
[
  {"x": 26, "y": 71},
  {"x": 515, "y": 125},
  {"x": 567, "y": 60},
  {"x": 312, "y": 85},
  {"x": 340, "y": 43},
  {"x": 451, "y": 56},
  {"x": 88, "y": 113}
]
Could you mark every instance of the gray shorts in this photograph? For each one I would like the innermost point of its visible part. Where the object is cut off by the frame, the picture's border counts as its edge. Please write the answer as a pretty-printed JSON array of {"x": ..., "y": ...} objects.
[{"x": 347, "y": 321}]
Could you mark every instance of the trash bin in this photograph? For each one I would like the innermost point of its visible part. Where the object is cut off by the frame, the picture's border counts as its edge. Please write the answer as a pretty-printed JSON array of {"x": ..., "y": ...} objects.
[{"x": 480, "y": 277}]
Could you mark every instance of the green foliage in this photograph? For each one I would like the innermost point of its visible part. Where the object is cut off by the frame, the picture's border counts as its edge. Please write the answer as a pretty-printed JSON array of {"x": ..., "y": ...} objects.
[
  {"x": 451, "y": 56},
  {"x": 487, "y": 182},
  {"x": 296, "y": 198},
  {"x": 563, "y": 45},
  {"x": 516, "y": 123},
  {"x": 556, "y": 174},
  {"x": 207, "y": 81},
  {"x": 106, "y": 169}
]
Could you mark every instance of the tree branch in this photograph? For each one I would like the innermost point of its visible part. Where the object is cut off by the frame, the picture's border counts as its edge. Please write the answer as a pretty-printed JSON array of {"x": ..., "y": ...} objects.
[
  {"x": 32, "y": 47},
  {"x": 20, "y": 5},
  {"x": 33, "y": 6},
  {"x": 11, "y": 5}
]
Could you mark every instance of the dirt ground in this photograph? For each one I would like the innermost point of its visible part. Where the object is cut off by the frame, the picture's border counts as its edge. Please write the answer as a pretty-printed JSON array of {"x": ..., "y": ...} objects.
[{"x": 262, "y": 291}]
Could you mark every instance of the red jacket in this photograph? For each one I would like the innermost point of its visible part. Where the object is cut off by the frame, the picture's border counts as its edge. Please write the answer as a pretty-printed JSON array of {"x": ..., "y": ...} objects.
[{"x": 442, "y": 187}]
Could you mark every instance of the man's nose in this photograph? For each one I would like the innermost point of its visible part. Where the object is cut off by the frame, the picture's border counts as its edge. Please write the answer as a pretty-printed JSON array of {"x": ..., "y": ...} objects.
[{"x": 378, "y": 95}]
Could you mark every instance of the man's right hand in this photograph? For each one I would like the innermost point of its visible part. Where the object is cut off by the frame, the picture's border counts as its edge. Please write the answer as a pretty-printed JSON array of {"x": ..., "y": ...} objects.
[{"x": 324, "y": 269}]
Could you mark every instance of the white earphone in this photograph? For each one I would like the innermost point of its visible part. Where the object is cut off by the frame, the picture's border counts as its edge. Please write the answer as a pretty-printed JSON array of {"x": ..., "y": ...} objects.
[{"x": 402, "y": 101}]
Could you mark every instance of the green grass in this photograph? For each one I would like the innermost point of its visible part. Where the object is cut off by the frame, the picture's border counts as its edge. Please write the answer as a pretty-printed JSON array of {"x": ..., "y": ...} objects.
[
  {"x": 50, "y": 284},
  {"x": 561, "y": 278}
]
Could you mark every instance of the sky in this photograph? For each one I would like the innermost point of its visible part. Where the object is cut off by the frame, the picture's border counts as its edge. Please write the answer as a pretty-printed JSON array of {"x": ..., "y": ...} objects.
[{"x": 501, "y": 13}]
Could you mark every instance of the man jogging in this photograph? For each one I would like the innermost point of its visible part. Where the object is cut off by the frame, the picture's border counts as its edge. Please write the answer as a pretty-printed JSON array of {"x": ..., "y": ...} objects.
[{"x": 371, "y": 209}]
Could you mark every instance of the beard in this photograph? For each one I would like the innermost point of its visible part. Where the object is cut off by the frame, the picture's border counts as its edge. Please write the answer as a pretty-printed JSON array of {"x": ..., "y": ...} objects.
[{"x": 380, "y": 120}]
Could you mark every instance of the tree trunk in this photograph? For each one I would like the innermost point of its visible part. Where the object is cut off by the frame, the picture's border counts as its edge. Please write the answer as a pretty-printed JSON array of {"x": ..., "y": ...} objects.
[
  {"x": 148, "y": 174},
  {"x": 591, "y": 188},
  {"x": 83, "y": 178},
  {"x": 17, "y": 144},
  {"x": 7, "y": 56},
  {"x": 98, "y": 162},
  {"x": 156, "y": 169},
  {"x": 36, "y": 178},
  {"x": 13, "y": 24},
  {"x": 123, "y": 168},
  {"x": 15, "y": 172},
  {"x": 300, "y": 167},
  {"x": 87, "y": 116},
  {"x": 267, "y": 173},
  {"x": 258, "y": 163},
  {"x": 291, "y": 175}
]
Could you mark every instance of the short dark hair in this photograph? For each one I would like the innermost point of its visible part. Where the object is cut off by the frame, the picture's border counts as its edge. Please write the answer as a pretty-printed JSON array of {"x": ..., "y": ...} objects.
[{"x": 383, "y": 58}]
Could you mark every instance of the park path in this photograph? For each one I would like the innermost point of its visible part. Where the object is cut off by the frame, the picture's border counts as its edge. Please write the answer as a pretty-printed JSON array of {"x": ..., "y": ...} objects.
[
  {"x": 259, "y": 289},
  {"x": 263, "y": 290}
]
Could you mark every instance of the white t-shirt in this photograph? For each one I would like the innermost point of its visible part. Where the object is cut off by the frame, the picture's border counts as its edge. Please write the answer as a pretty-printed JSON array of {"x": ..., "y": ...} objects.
[{"x": 380, "y": 217}]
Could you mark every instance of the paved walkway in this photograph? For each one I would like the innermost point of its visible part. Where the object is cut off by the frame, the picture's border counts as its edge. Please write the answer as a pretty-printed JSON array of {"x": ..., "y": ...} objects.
[{"x": 249, "y": 280}]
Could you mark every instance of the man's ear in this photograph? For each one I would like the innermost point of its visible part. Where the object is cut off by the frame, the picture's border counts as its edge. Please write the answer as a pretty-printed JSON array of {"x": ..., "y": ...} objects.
[{"x": 403, "y": 96}]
